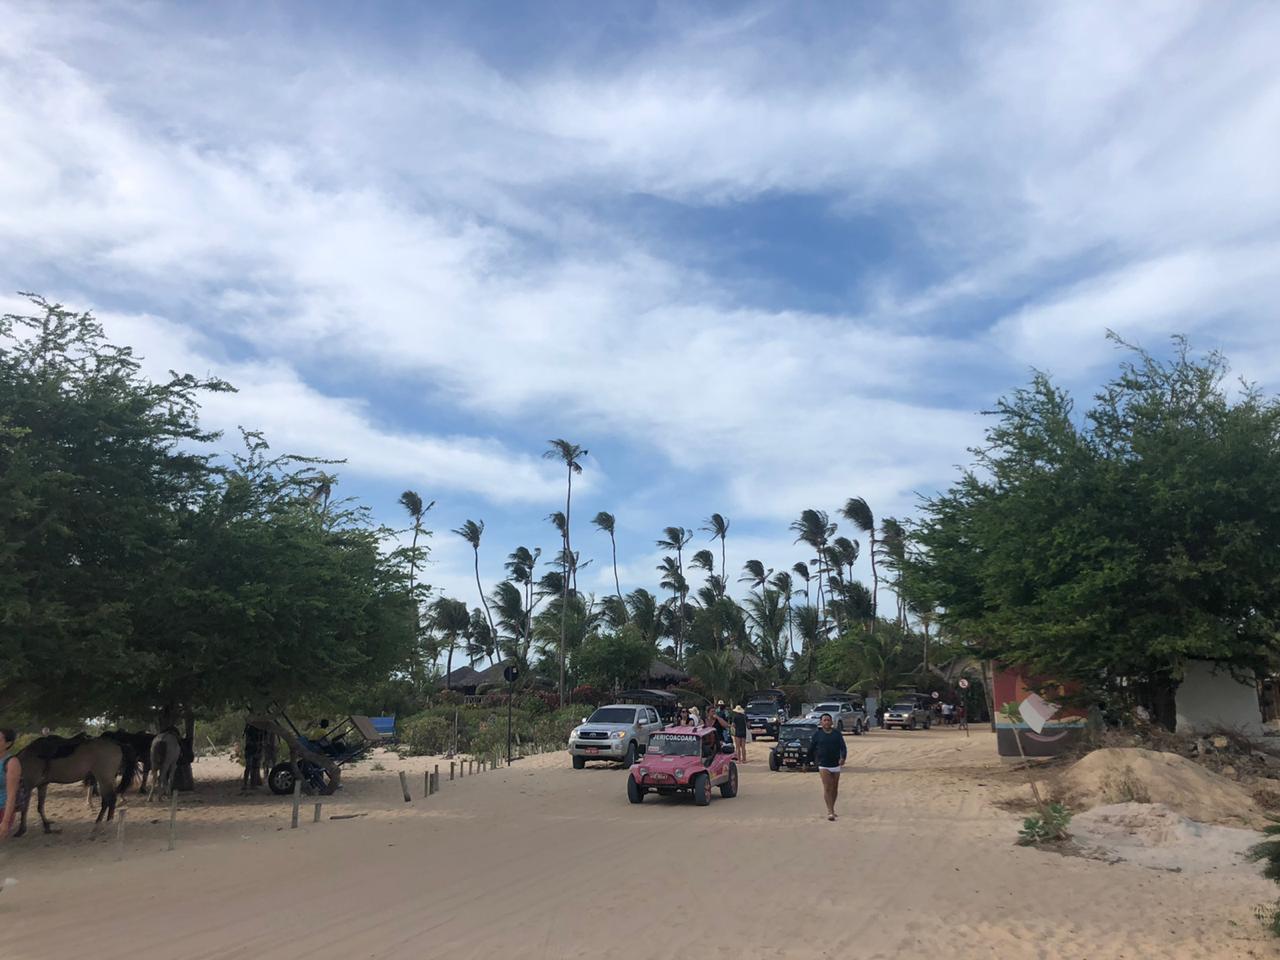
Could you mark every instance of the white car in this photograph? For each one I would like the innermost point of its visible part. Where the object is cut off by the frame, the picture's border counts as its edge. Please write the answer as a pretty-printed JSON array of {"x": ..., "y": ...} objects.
[{"x": 846, "y": 715}]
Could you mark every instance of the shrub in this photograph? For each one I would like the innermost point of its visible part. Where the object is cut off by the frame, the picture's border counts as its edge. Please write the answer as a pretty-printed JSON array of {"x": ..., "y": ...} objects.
[
  {"x": 1052, "y": 826},
  {"x": 426, "y": 733},
  {"x": 586, "y": 694}
]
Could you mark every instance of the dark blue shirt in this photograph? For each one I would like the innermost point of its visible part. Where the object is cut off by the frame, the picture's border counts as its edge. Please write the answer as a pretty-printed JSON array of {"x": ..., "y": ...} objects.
[{"x": 827, "y": 749}]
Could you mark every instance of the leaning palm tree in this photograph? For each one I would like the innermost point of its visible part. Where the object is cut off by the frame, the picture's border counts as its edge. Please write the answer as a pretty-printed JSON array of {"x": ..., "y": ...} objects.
[
  {"x": 893, "y": 555},
  {"x": 605, "y": 522},
  {"x": 471, "y": 531},
  {"x": 569, "y": 454},
  {"x": 673, "y": 580},
  {"x": 718, "y": 527},
  {"x": 857, "y": 512}
]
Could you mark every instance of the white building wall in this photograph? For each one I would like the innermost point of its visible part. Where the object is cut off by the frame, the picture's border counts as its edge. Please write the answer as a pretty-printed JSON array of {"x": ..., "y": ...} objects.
[{"x": 1210, "y": 697}]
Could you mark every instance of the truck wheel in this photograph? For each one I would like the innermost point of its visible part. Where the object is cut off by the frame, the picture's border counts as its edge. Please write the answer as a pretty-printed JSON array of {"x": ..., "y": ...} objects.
[
  {"x": 773, "y": 760},
  {"x": 281, "y": 778},
  {"x": 729, "y": 789},
  {"x": 579, "y": 762},
  {"x": 702, "y": 790},
  {"x": 928, "y": 724},
  {"x": 857, "y": 729},
  {"x": 635, "y": 792},
  {"x": 630, "y": 758}
]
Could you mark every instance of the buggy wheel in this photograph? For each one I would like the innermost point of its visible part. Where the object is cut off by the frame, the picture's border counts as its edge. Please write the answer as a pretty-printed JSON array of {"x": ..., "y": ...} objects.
[
  {"x": 630, "y": 758},
  {"x": 281, "y": 778},
  {"x": 702, "y": 790},
  {"x": 635, "y": 792},
  {"x": 579, "y": 762},
  {"x": 729, "y": 789},
  {"x": 773, "y": 760}
]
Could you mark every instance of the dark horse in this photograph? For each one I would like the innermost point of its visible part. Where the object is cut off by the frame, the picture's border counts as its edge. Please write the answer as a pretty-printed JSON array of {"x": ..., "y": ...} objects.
[
  {"x": 62, "y": 760},
  {"x": 139, "y": 749}
]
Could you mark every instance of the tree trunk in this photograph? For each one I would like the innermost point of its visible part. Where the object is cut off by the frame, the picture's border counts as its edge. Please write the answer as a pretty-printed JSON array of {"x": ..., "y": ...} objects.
[
  {"x": 616, "y": 585},
  {"x": 875, "y": 581},
  {"x": 564, "y": 592}
]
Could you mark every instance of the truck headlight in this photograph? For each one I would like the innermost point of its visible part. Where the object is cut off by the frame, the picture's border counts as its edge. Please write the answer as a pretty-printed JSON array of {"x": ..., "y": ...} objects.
[{"x": 618, "y": 734}]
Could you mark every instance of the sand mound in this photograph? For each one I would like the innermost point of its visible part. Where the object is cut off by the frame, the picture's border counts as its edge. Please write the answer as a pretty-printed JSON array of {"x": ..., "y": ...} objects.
[
  {"x": 1133, "y": 775},
  {"x": 1152, "y": 835}
]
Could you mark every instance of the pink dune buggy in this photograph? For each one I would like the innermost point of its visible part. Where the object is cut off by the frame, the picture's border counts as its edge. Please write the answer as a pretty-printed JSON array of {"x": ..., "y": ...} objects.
[{"x": 684, "y": 760}]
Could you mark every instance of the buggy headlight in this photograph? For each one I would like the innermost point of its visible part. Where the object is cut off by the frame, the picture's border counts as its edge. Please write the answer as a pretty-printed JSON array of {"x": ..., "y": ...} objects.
[{"x": 679, "y": 771}]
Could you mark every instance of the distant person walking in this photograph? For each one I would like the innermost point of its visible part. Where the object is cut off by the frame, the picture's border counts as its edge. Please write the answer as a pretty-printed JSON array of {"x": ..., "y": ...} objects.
[
  {"x": 10, "y": 777},
  {"x": 740, "y": 734},
  {"x": 828, "y": 751}
]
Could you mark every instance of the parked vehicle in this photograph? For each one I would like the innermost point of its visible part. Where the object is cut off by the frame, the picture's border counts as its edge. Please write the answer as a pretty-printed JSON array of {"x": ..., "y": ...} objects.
[
  {"x": 908, "y": 715},
  {"x": 765, "y": 714},
  {"x": 619, "y": 732},
  {"x": 794, "y": 739},
  {"x": 847, "y": 715},
  {"x": 685, "y": 760}
]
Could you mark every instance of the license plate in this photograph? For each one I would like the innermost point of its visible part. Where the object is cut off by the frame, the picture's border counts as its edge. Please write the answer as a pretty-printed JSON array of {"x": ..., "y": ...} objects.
[{"x": 593, "y": 749}]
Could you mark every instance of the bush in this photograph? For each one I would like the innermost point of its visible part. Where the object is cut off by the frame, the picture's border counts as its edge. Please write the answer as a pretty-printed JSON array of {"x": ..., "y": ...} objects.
[
  {"x": 586, "y": 694},
  {"x": 426, "y": 734},
  {"x": 1052, "y": 826},
  {"x": 225, "y": 731}
]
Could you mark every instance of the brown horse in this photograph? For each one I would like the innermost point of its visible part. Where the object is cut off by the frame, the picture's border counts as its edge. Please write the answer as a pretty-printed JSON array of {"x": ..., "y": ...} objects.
[{"x": 60, "y": 760}]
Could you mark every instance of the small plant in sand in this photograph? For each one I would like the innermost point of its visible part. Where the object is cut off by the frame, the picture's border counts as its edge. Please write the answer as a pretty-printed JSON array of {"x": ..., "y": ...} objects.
[
  {"x": 1049, "y": 827},
  {"x": 378, "y": 765},
  {"x": 1268, "y": 851}
]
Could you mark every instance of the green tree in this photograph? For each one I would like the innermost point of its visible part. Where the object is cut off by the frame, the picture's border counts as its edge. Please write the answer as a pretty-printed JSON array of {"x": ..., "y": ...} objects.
[
  {"x": 718, "y": 527},
  {"x": 415, "y": 557},
  {"x": 1111, "y": 548},
  {"x": 618, "y": 659},
  {"x": 606, "y": 522},
  {"x": 452, "y": 620},
  {"x": 857, "y": 512},
  {"x": 569, "y": 454}
]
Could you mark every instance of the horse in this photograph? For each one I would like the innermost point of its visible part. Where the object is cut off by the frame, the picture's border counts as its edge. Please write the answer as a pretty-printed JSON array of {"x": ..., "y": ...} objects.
[
  {"x": 140, "y": 744},
  {"x": 166, "y": 750},
  {"x": 69, "y": 760}
]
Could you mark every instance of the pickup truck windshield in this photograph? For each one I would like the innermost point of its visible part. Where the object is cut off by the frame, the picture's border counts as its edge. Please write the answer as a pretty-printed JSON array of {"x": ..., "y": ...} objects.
[
  {"x": 666, "y": 745},
  {"x": 613, "y": 715}
]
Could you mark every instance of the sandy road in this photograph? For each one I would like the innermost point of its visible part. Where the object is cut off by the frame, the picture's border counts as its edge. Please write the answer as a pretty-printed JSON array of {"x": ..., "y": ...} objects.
[{"x": 542, "y": 861}]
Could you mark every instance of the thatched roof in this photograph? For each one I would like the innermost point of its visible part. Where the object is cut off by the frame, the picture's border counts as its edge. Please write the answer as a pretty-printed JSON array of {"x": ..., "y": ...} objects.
[
  {"x": 465, "y": 676},
  {"x": 665, "y": 673}
]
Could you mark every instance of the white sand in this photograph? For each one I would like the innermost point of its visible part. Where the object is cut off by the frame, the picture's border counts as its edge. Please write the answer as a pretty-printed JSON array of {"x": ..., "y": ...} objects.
[{"x": 543, "y": 861}]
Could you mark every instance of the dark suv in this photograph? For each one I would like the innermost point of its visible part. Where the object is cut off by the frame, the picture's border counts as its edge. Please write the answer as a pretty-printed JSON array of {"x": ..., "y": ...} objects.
[
  {"x": 765, "y": 715},
  {"x": 794, "y": 740}
]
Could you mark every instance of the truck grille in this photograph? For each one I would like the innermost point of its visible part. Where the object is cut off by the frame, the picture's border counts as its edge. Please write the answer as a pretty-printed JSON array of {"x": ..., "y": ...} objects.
[{"x": 593, "y": 735}]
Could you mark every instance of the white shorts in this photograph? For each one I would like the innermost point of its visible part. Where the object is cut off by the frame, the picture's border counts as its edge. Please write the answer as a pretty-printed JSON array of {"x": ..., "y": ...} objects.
[{"x": 835, "y": 770}]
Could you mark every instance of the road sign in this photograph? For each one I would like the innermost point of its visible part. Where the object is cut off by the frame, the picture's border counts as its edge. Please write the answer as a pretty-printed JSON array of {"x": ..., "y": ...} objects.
[
  {"x": 936, "y": 695},
  {"x": 510, "y": 673},
  {"x": 964, "y": 684}
]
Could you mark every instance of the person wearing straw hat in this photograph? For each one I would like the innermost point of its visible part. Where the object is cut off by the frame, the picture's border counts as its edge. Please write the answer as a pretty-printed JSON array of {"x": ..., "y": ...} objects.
[{"x": 740, "y": 734}]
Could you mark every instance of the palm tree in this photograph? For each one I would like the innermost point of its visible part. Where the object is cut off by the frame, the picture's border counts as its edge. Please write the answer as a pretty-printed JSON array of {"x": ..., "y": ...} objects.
[
  {"x": 673, "y": 580},
  {"x": 716, "y": 669},
  {"x": 859, "y": 514},
  {"x": 766, "y": 612},
  {"x": 718, "y": 527},
  {"x": 677, "y": 538},
  {"x": 783, "y": 583},
  {"x": 453, "y": 619},
  {"x": 569, "y": 454},
  {"x": 417, "y": 512},
  {"x": 643, "y": 612},
  {"x": 471, "y": 531},
  {"x": 815, "y": 529},
  {"x": 605, "y": 522},
  {"x": 893, "y": 553}
]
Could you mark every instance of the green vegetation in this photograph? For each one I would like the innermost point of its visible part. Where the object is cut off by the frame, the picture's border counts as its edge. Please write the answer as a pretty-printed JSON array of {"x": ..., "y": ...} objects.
[{"x": 1047, "y": 828}]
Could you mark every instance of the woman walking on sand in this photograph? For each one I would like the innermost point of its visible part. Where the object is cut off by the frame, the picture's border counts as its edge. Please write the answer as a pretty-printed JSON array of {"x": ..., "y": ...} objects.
[
  {"x": 740, "y": 734},
  {"x": 827, "y": 749}
]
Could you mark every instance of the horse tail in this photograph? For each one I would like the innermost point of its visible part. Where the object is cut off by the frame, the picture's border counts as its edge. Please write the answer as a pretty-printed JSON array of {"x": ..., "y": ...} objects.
[{"x": 128, "y": 768}]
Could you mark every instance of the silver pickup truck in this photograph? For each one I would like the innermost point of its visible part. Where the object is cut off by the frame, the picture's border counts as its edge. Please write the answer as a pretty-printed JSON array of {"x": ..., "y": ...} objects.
[{"x": 619, "y": 732}]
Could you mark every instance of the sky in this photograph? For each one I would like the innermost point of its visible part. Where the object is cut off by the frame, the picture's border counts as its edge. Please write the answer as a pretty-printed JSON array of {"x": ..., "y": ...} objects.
[{"x": 754, "y": 257}]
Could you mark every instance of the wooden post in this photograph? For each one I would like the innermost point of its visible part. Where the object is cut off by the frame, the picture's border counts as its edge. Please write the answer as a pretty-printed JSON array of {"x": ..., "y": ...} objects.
[
  {"x": 435, "y": 779},
  {"x": 450, "y": 769},
  {"x": 173, "y": 816},
  {"x": 426, "y": 783},
  {"x": 297, "y": 801},
  {"x": 404, "y": 786},
  {"x": 120, "y": 833}
]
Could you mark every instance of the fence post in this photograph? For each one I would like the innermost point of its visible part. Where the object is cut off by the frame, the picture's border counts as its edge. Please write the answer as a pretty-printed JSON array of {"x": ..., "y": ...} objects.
[
  {"x": 435, "y": 779},
  {"x": 120, "y": 833},
  {"x": 450, "y": 769},
  {"x": 173, "y": 816},
  {"x": 404, "y": 786},
  {"x": 426, "y": 783},
  {"x": 316, "y": 817},
  {"x": 297, "y": 801}
]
